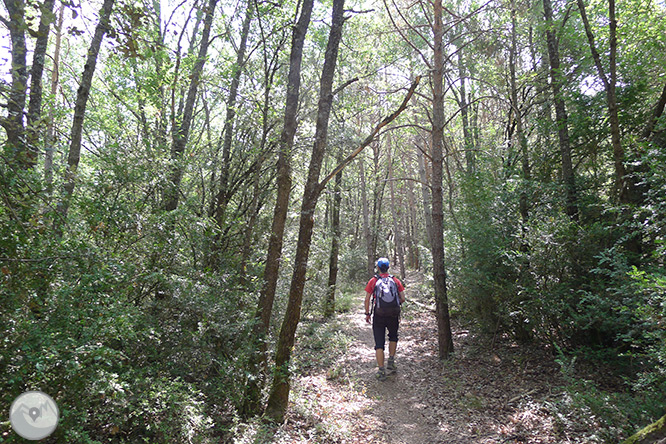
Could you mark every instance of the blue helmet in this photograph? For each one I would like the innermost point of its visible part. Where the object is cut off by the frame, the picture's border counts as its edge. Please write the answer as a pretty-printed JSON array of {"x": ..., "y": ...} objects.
[{"x": 383, "y": 264}]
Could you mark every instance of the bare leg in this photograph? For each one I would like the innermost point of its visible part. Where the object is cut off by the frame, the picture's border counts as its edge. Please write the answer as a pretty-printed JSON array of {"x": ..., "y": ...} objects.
[
  {"x": 392, "y": 347},
  {"x": 379, "y": 354}
]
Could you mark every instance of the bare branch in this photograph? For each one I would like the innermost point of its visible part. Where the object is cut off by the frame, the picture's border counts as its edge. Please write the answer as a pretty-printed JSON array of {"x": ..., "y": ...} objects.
[
  {"x": 371, "y": 136},
  {"x": 344, "y": 85}
]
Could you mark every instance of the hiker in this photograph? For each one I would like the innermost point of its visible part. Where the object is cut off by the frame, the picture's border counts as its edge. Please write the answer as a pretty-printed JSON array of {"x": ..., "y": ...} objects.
[{"x": 387, "y": 293}]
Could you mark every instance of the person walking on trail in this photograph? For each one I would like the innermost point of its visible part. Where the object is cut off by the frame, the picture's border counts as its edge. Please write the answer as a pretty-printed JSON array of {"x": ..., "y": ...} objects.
[{"x": 384, "y": 294}]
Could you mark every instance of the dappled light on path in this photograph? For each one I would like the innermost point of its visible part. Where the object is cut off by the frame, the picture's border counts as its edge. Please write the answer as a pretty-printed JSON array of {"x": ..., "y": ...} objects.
[{"x": 480, "y": 395}]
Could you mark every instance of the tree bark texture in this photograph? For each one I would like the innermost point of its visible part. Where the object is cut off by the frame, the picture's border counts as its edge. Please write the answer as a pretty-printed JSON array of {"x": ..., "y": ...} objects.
[
  {"x": 556, "y": 82},
  {"x": 13, "y": 123},
  {"x": 445, "y": 338},
  {"x": 182, "y": 131},
  {"x": 279, "y": 396},
  {"x": 35, "y": 104},
  {"x": 74, "y": 154},
  {"x": 271, "y": 271}
]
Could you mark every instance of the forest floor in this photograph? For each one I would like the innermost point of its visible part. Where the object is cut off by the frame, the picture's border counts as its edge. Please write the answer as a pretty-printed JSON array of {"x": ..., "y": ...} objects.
[{"x": 489, "y": 391}]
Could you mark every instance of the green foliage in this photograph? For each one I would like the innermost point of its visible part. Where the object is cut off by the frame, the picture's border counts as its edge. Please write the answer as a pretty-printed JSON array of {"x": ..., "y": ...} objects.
[
  {"x": 484, "y": 273},
  {"x": 132, "y": 345}
]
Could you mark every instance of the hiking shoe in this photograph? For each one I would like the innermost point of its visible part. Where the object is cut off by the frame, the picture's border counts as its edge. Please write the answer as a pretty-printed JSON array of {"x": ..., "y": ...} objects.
[
  {"x": 390, "y": 367},
  {"x": 381, "y": 374}
]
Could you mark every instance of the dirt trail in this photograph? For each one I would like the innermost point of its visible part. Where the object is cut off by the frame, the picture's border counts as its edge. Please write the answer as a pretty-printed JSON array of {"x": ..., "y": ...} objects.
[{"x": 478, "y": 396}]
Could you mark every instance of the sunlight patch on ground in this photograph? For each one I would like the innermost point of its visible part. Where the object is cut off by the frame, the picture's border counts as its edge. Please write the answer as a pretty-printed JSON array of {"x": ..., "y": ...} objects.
[{"x": 331, "y": 408}]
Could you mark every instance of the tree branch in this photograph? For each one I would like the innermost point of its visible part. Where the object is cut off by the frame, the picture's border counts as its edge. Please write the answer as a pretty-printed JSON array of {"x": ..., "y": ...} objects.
[
  {"x": 344, "y": 85},
  {"x": 371, "y": 136}
]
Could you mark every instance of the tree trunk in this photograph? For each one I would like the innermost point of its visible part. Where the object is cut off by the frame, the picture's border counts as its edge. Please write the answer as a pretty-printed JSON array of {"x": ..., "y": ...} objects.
[
  {"x": 35, "y": 106},
  {"x": 655, "y": 433},
  {"x": 444, "y": 336},
  {"x": 556, "y": 82},
  {"x": 520, "y": 134},
  {"x": 425, "y": 194},
  {"x": 395, "y": 212},
  {"x": 366, "y": 223},
  {"x": 279, "y": 397},
  {"x": 271, "y": 272},
  {"x": 50, "y": 129},
  {"x": 74, "y": 155},
  {"x": 411, "y": 231},
  {"x": 621, "y": 185},
  {"x": 13, "y": 123},
  {"x": 329, "y": 308},
  {"x": 182, "y": 132},
  {"x": 656, "y": 114},
  {"x": 470, "y": 156},
  {"x": 222, "y": 195}
]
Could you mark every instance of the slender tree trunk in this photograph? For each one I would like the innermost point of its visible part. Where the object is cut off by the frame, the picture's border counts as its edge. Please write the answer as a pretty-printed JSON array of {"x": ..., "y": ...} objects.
[
  {"x": 271, "y": 66},
  {"x": 253, "y": 211},
  {"x": 425, "y": 194},
  {"x": 556, "y": 82},
  {"x": 271, "y": 272},
  {"x": 35, "y": 106},
  {"x": 395, "y": 211},
  {"x": 13, "y": 123},
  {"x": 279, "y": 397},
  {"x": 621, "y": 185},
  {"x": 222, "y": 195},
  {"x": 412, "y": 224},
  {"x": 366, "y": 223},
  {"x": 182, "y": 131},
  {"x": 50, "y": 128},
  {"x": 467, "y": 136},
  {"x": 329, "y": 308},
  {"x": 74, "y": 155},
  {"x": 522, "y": 140},
  {"x": 656, "y": 114},
  {"x": 445, "y": 338}
]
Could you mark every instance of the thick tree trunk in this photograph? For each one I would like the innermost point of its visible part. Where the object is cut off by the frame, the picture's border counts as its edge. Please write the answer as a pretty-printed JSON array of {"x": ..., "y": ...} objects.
[
  {"x": 13, "y": 123},
  {"x": 271, "y": 271},
  {"x": 182, "y": 132},
  {"x": 556, "y": 82},
  {"x": 279, "y": 397},
  {"x": 444, "y": 336},
  {"x": 74, "y": 155}
]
